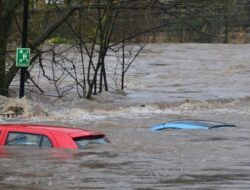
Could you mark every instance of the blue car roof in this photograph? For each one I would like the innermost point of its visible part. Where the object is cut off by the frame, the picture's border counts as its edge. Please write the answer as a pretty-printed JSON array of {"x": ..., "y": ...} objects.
[{"x": 190, "y": 124}]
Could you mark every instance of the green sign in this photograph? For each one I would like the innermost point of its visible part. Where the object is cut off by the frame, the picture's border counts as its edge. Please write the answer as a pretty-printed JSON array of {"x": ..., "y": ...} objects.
[{"x": 23, "y": 57}]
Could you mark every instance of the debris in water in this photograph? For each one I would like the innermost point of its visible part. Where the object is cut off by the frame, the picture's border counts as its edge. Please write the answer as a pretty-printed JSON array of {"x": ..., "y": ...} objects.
[{"x": 22, "y": 107}]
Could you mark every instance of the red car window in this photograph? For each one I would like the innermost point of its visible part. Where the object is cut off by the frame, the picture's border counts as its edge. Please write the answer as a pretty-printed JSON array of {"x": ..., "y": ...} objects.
[
  {"x": 83, "y": 142},
  {"x": 27, "y": 139}
]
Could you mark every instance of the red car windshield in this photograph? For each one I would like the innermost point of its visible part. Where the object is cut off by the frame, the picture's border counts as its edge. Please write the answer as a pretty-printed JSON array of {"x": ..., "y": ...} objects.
[{"x": 83, "y": 142}]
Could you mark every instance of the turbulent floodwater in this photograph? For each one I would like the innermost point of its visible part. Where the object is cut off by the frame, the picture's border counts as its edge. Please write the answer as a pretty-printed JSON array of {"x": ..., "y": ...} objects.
[{"x": 167, "y": 82}]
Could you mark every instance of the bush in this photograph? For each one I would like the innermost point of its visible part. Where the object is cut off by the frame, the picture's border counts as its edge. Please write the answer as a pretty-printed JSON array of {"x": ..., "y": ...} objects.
[{"x": 59, "y": 40}]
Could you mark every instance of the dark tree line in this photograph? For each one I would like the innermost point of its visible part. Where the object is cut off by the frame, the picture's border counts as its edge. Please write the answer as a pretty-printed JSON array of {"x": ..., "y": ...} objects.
[{"x": 96, "y": 28}]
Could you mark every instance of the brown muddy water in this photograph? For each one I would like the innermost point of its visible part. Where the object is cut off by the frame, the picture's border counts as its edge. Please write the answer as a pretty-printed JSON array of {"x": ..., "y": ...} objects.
[{"x": 168, "y": 82}]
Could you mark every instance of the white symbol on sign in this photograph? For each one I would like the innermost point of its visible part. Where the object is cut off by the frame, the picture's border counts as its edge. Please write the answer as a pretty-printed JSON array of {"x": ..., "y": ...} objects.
[{"x": 25, "y": 56}]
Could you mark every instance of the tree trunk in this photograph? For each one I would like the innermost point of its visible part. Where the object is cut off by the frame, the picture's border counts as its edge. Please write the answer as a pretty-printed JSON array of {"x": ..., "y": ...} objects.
[
  {"x": 5, "y": 23},
  {"x": 3, "y": 89},
  {"x": 91, "y": 85},
  {"x": 123, "y": 64},
  {"x": 226, "y": 23}
]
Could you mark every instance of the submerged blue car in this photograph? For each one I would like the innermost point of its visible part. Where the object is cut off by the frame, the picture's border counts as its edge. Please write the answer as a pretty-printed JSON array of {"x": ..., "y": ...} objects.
[{"x": 190, "y": 124}]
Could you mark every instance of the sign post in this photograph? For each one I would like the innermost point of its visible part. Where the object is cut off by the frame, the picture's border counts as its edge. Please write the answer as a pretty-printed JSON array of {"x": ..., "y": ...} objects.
[{"x": 23, "y": 54}]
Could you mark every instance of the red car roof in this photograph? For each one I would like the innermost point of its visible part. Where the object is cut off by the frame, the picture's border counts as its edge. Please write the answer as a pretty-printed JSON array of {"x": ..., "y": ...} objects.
[{"x": 74, "y": 132}]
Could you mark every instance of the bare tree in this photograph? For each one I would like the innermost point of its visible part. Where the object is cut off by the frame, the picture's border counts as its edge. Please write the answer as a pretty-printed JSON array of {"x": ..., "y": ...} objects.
[
  {"x": 7, "y": 10},
  {"x": 100, "y": 27}
]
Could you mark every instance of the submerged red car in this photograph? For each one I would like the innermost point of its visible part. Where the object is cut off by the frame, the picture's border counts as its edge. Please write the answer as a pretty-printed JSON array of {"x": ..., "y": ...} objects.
[{"x": 48, "y": 136}]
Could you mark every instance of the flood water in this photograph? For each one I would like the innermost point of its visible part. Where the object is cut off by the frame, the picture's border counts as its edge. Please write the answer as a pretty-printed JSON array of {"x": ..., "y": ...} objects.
[{"x": 167, "y": 82}]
